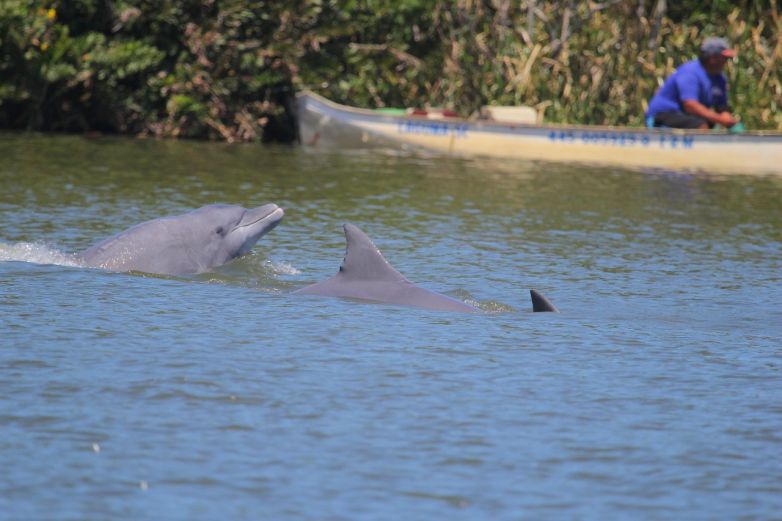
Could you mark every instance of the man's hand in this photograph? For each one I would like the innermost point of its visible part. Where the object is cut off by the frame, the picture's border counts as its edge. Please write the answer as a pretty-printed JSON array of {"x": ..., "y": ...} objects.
[
  {"x": 725, "y": 119},
  {"x": 702, "y": 111}
]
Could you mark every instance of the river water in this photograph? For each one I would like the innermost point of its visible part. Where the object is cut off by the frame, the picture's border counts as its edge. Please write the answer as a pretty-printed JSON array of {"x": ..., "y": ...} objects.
[{"x": 656, "y": 393}]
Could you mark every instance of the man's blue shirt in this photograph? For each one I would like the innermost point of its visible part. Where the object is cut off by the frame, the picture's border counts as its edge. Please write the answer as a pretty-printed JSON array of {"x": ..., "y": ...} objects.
[{"x": 689, "y": 82}]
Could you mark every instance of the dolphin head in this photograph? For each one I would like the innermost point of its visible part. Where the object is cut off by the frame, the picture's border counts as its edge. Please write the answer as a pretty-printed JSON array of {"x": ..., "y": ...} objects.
[
  {"x": 232, "y": 231},
  {"x": 194, "y": 242}
]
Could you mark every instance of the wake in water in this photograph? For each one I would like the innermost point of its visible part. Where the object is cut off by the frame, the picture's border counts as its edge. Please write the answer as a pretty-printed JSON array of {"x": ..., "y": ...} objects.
[
  {"x": 281, "y": 268},
  {"x": 251, "y": 270},
  {"x": 36, "y": 253}
]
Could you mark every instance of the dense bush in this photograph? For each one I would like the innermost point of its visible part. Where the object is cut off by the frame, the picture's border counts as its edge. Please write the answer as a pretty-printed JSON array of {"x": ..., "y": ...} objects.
[
  {"x": 166, "y": 68},
  {"x": 227, "y": 69}
]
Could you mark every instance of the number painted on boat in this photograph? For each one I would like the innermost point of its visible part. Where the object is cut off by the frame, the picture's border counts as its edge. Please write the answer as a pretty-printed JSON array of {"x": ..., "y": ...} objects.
[{"x": 622, "y": 139}]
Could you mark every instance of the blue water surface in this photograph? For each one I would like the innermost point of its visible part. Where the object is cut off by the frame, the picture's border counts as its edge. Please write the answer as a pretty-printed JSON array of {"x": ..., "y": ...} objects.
[{"x": 655, "y": 394}]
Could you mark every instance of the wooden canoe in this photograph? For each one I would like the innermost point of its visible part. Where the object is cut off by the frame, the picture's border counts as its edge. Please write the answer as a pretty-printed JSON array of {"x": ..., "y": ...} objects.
[{"x": 323, "y": 123}]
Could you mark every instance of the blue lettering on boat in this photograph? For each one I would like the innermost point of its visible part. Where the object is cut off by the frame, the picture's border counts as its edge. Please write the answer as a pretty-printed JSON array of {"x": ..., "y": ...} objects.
[
  {"x": 432, "y": 128},
  {"x": 621, "y": 139}
]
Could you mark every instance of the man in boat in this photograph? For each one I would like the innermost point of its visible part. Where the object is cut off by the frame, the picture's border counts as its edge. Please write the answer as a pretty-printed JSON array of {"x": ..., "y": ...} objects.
[{"x": 696, "y": 94}]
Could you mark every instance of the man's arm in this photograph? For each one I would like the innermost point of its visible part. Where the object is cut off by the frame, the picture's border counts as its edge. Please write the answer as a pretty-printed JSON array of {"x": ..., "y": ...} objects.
[{"x": 696, "y": 108}]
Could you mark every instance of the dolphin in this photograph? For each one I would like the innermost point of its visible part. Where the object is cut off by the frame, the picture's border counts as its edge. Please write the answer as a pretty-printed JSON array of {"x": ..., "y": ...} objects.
[
  {"x": 366, "y": 275},
  {"x": 190, "y": 243}
]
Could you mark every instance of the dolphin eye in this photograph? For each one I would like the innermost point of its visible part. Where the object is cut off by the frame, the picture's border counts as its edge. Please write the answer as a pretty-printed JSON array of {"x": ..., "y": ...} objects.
[{"x": 219, "y": 230}]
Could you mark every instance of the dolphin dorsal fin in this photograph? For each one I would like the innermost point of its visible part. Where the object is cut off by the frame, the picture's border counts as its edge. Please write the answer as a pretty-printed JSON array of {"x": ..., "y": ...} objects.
[{"x": 363, "y": 261}]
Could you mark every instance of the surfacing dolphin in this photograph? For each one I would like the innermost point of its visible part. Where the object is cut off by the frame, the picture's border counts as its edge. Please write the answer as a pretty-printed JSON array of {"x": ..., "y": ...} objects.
[
  {"x": 190, "y": 243},
  {"x": 365, "y": 274}
]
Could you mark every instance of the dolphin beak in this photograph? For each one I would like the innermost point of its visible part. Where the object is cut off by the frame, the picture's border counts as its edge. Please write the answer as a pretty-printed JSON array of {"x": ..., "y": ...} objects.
[
  {"x": 264, "y": 217},
  {"x": 255, "y": 223}
]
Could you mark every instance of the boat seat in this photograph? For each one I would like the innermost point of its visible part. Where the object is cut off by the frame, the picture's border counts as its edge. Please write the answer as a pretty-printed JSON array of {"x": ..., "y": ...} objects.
[{"x": 521, "y": 114}]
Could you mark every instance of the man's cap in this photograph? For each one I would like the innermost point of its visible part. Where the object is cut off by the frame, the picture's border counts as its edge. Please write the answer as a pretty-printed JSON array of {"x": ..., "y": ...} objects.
[{"x": 714, "y": 45}]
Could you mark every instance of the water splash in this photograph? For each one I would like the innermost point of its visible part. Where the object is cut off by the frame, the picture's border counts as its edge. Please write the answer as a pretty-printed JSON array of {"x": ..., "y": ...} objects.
[
  {"x": 36, "y": 253},
  {"x": 282, "y": 268}
]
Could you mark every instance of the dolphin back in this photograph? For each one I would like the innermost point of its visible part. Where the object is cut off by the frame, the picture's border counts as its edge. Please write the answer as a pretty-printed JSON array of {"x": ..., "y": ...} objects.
[
  {"x": 151, "y": 247},
  {"x": 366, "y": 275}
]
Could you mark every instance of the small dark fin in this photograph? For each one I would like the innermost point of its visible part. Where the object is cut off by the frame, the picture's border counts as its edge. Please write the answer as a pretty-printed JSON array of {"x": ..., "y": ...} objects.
[{"x": 541, "y": 303}]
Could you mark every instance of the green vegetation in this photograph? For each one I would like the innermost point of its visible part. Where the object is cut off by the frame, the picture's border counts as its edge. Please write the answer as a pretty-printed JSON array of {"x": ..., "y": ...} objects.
[{"x": 227, "y": 69}]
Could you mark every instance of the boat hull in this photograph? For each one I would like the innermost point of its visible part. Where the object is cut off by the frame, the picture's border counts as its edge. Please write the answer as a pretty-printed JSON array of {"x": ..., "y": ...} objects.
[{"x": 326, "y": 124}]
